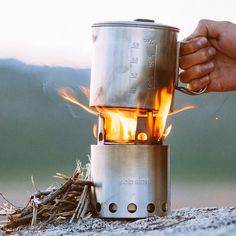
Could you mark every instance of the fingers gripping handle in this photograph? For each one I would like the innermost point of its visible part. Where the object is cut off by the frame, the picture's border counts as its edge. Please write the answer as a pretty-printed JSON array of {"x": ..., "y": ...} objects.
[{"x": 181, "y": 88}]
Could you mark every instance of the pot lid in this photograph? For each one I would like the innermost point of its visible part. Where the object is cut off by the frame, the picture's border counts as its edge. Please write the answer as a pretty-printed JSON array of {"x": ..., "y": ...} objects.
[{"x": 140, "y": 23}]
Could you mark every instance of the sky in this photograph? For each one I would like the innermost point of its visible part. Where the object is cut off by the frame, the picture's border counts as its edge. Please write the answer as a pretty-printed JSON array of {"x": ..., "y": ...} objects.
[{"x": 58, "y": 32}]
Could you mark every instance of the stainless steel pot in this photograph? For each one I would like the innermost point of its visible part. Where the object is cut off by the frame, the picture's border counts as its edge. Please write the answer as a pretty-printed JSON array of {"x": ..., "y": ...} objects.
[{"x": 132, "y": 61}]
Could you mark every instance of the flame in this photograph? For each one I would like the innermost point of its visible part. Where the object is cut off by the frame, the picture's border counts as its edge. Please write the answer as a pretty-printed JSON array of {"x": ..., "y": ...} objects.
[
  {"x": 68, "y": 94},
  {"x": 121, "y": 125},
  {"x": 163, "y": 101},
  {"x": 182, "y": 109},
  {"x": 95, "y": 130},
  {"x": 142, "y": 136},
  {"x": 167, "y": 131}
]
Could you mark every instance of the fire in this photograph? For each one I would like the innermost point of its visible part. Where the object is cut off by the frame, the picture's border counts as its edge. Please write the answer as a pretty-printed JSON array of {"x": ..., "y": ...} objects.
[
  {"x": 167, "y": 131},
  {"x": 120, "y": 125},
  {"x": 142, "y": 136},
  {"x": 68, "y": 94},
  {"x": 181, "y": 110},
  {"x": 163, "y": 101},
  {"x": 95, "y": 130}
]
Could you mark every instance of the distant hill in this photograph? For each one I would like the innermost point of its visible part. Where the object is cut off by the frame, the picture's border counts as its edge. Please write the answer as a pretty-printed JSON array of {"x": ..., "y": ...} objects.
[
  {"x": 38, "y": 131},
  {"x": 41, "y": 133}
]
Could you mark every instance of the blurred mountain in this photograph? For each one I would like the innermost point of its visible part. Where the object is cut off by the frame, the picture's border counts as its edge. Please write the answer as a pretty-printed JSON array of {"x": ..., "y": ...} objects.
[
  {"x": 203, "y": 142},
  {"x": 40, "y": 133}
]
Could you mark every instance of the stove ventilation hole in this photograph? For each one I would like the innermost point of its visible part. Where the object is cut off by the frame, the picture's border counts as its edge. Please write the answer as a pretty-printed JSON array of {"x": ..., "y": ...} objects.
[
  {"x": 112, "y": 207},
  {"x": 98, "y": 207},
  {"x": 132, "y": 208},
  {"x": 164, "y": 207},
  {"x": 150, "y": 207},
  {"x": 100, "y": 137}
]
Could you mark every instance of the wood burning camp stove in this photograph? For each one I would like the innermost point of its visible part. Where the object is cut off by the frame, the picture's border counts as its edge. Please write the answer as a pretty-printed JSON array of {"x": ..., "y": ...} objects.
[{"x": 133, "y": 78}]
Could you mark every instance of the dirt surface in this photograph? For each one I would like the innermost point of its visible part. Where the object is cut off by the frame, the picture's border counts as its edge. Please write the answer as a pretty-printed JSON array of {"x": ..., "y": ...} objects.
[{"x": 188, "y": 221}]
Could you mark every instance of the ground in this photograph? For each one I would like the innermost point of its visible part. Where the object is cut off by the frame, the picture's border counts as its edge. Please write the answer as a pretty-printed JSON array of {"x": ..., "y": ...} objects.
[{"x": 182, "y": 222}]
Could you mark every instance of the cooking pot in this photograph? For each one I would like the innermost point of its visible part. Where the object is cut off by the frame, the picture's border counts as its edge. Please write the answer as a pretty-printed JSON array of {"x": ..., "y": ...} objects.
[{"x": 132, "y": 62}]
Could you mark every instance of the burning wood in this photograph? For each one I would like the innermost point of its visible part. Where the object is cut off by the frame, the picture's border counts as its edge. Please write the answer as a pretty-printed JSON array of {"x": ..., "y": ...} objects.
[{"x": 68, "y": 203}]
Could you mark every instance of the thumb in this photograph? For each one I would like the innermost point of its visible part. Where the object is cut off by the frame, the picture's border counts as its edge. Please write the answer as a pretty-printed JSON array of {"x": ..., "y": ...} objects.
[{"x": 207, "y": 28}]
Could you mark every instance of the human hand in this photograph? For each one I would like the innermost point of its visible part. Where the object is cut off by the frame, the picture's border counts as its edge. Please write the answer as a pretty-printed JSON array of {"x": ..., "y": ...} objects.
[{"x": 208, "y": 57}]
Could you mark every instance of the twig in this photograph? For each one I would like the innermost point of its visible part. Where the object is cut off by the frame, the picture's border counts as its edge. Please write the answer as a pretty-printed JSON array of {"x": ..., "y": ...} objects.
[
  {"x": 61, "y": 176},
  {"x": 20, "y": 221},
  {"x": 50, "y": 219},
  {"x": 82, "y": 201},
  {"x": 83, "y": 182},
  {"x": 49, "y": 198},
  {"x": 79, "y": 204},
  {"x": 7, "y": 201},
  {"x": 70, "y": 202},
  {"x": 40, "y": 194},
  {"x": 59, "y": 191},
  {"x": 66, "y": 202},
  {"x": 34, "y": 218},
  {"x": 33, "y": 184},
  {"x": 68, "y": 213},
  {"x": 77, "y": 188},
  {"x": 58, "y": 220},
  {"x": 84, "y": 210}
]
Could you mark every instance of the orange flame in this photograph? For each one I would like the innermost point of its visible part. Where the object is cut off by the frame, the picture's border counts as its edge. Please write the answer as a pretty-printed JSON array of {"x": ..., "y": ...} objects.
[
  {"x": 95, "y": 130},
  {"x": 121, "y": 125},
  {"x": 182, "y": 109},
  {"x": 167, "y": 131},
  {"x": 142, "y": 136},
  {"x": 68, "y": 94},
  {"x": 163, "y": 99}
]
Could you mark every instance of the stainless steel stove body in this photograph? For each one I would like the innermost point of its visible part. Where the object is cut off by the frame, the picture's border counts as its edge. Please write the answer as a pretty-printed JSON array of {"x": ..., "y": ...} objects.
[{"x": 133, "y": 63}]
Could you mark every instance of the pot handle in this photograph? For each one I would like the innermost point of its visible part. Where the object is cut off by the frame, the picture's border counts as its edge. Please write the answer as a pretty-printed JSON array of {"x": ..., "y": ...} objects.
[{"x": 180, "y": 88}]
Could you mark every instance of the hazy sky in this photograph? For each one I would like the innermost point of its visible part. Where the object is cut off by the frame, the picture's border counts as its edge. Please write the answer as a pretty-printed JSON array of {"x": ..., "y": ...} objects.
[{"x": 58, "y": 32}]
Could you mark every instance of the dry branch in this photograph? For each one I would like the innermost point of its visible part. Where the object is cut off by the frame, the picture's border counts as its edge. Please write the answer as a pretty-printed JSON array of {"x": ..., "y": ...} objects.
[{"x": 70, "y": 202}]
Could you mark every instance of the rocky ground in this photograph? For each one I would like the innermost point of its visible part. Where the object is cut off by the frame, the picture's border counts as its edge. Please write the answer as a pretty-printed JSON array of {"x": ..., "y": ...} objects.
[{"x": 184, "y": 222}]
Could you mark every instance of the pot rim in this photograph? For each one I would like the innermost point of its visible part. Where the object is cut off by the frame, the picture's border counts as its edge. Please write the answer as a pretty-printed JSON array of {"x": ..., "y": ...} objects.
[{"x": 139, "y": 23}]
